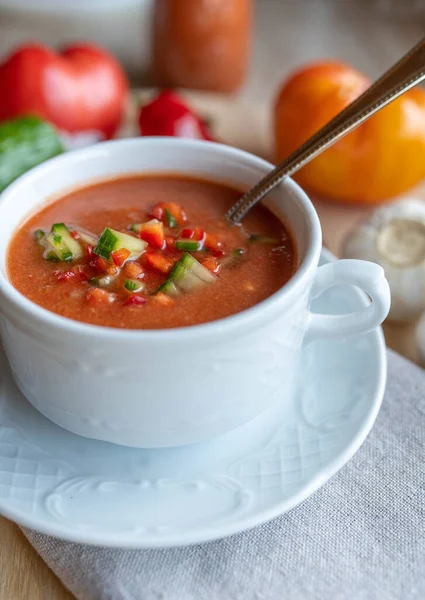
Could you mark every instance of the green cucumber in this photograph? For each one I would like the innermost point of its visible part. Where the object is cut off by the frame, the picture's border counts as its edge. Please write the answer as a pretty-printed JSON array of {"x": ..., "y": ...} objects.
[
  {"x": 195, "y": 267},
  {"x": 184, "y": 279},
  {"x": 187, "y": 245},
  {"x": 62, "y": 231},
  {"x": 136, "y": 228},
  {"x": 171, "y": 221},
  {"x": 25, "y": 143},
  {"x": 54, "y": 246},
  {"x": 112, "y": 240},
  {"x": 263, "y": 239},
  {"x": 39, "y": 235},
  {"x": 133, "y": 286},
  {"x": 188, "y": 274},
  {"x": 169, "y": 288}
]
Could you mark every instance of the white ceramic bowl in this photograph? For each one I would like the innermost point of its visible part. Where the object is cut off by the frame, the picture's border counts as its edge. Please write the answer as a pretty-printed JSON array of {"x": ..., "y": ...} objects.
[{"x": 171, "y": 387}]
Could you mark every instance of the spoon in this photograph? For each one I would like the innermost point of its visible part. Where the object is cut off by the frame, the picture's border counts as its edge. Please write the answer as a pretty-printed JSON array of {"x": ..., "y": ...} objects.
[{"x": 404, "y": 75}]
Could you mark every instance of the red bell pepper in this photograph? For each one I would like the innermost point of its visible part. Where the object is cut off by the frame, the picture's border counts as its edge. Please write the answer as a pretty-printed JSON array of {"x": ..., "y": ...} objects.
[
  {"x": 168, "y": 115},
  {"x": 152, "y": 232}
]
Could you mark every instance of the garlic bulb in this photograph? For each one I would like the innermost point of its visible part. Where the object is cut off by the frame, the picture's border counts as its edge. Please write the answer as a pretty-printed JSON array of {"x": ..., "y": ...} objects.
[{"x": 394, "y": 237}]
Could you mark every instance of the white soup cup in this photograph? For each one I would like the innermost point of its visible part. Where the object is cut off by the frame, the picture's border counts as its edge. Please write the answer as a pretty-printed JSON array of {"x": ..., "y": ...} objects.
[{"x": 172, "y": 387}]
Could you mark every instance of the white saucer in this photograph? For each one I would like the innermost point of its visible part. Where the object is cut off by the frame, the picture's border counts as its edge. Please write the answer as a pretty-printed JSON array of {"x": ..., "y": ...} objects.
[{"x": 98, "y": 493}]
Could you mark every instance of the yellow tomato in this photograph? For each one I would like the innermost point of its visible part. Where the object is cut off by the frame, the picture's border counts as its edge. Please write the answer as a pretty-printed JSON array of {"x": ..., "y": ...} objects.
[{"x": 381, "y": 158}]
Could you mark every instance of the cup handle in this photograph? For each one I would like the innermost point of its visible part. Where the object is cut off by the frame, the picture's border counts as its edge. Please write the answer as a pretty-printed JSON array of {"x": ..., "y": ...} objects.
[{"x": 365, "y": 275}]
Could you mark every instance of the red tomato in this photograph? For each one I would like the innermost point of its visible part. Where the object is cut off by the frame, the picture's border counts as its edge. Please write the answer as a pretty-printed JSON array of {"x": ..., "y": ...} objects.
[
  {"x": 83, "y": 88},
  {"x": 380, "y": 159}
]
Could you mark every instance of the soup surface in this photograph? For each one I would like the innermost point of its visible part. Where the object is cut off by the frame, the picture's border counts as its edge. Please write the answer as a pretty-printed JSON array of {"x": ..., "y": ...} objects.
[{"x": 149, "y": 252}]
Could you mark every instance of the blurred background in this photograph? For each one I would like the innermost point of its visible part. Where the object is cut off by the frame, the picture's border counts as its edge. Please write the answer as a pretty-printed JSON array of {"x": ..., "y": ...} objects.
[{"x": 366, "y": 33}]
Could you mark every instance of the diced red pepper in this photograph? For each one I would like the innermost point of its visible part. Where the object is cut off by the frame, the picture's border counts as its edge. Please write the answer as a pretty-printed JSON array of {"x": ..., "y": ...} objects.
[
  {"x": 163, "y": 299},
  {"x": 99, "y": 296},
  {"x": 175, "y": 210},
  {"x": 101, "y": 264},
  {"x": 134, "y": 300},
  {"x": 214, "y": 244},
  {"x": 168, "y": 115},
  {"x": 196, "y": 234},
  {"x": 152, "y": 232},
  {"x": 75, "y": 234},
  {"x": 212, "y": 264},
  {"x": 89, "y": 250},
  {"x": 159, "y": 261},
  {"x": 132, "y": 270},
  {"x": 120, "y": 256}
]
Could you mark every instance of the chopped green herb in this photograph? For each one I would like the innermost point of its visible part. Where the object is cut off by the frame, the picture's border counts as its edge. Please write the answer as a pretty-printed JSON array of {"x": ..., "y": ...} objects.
[{"x": 171, "y": 221}]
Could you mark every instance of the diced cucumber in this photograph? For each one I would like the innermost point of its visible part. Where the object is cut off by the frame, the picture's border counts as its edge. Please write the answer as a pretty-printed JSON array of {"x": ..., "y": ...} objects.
[
  {"x": 184, "y": 279},
  {"x": 169, "y": 288},
  {"x": 112, "y": 240},
  {"x": 187, "y": 245},
  {"x": 133, "y": 286},
  {"x": 263, "y": 239},
  {"x": 136, "y": 228},
  {"x": 197, "y": 269},
  {"x": 171, "y": 221},
  {"x": 54, "y": 246},
  {"x": 188, "y": 274},
  {"x": 73, "y": 246},
  {"x": 58, "y": 244}
]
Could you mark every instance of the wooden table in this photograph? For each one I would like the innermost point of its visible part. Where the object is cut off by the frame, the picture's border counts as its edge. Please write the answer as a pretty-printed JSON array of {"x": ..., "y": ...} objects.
[{"x": 288, "y": 33}]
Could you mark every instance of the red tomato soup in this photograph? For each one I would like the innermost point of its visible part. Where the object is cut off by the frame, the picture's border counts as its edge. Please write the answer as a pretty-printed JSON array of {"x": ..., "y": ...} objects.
[{"x": 149, "y": 252}]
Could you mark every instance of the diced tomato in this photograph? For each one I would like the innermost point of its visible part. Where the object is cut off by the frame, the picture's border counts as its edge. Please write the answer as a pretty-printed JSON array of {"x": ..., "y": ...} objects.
[
  {"x": 197, "y": 234},
  {"x": 132, "y": 270},
  {"x": 99, "y": 296},
  {"x": 89, "y": 250},
  {"x": 159, "y": 261},
  {"x": 134, "y": 300},
  {"x": 158, "y": 212},
  {"x": 103, "y": 265},
  {"x": 66, "y": 276},
  {"x": 75, "y": 235},
  {"x": 152, "y": 232},
  {"x": 120, "y": 256},
  {"x": 163, "y": 299},
  {"x": 212, "y": 264}
]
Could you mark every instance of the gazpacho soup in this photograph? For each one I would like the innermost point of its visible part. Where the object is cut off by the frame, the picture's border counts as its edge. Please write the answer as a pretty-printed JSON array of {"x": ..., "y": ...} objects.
[{"x": 149, "y": 252}]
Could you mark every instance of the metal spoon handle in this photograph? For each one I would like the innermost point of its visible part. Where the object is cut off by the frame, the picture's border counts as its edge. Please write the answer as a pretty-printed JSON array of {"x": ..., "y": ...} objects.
[{"x": 405, "y": 74}]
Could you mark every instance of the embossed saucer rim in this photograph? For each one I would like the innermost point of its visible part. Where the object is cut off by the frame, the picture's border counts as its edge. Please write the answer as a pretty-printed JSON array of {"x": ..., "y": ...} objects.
[{"x": 219, "y": 531}]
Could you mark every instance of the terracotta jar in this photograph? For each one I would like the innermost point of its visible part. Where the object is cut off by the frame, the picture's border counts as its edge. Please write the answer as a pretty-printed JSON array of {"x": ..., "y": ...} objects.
[{"x": 202, "y": 44}]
